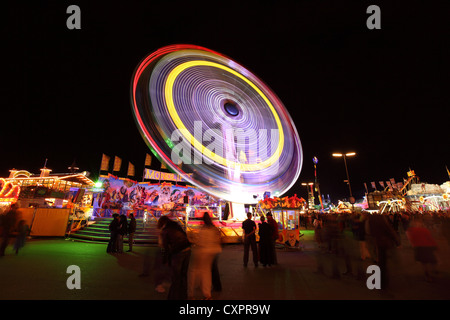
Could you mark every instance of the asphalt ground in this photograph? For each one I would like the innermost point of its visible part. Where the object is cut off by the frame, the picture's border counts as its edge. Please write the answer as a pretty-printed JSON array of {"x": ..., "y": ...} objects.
[{"x": 39, "y": 272}]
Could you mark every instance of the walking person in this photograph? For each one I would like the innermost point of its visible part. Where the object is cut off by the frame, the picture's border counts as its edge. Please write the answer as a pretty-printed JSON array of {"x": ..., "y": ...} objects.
[
  {"x": 265, "y": 243},
  {"x": 131, "y": 231},
  {"x": 424, "y": 247},
  {"x": 216, "y": 282},
  {"x": 7, "y": 223},
  {"x": 317, "y": 223},
  {"x": 274, "y": 228},
  {"x": 114, "y": 231},
  {"x": 334, "y": 240},
  {"x": 385, "y": 239},
  {"x": 206, "y": 246},
  {"x": 23, "y": 232},
  {"x": 161, "y": 268},
  {"x": 360, "y": 235},
  {"x": 249, "y": 227},
  {"x": 177, "y": 250}
]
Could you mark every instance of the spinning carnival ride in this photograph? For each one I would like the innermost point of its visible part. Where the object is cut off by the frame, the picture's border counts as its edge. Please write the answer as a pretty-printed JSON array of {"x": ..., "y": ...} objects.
[{"x": 215, "y": 123}]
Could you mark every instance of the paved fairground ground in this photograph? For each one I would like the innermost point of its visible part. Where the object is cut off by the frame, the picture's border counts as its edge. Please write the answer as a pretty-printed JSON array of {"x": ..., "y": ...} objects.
[{"x": 40, "y": 272}]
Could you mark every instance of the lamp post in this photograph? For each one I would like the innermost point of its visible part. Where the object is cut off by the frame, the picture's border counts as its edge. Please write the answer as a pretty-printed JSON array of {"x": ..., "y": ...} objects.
[
  {"x": 345, "y": 155},
  {"x": 310, "y": 193}
]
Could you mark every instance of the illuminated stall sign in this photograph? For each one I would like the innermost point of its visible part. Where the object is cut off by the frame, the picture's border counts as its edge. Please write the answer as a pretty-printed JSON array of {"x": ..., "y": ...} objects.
[
  {"x": 8, "y": 191},
  {"x": 163, "y": 176},
  {"x": 125, "y": 194}
]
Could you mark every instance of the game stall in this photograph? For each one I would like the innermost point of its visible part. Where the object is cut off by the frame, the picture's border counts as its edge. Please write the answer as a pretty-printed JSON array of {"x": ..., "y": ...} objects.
[{"x": 286, "y": 212}]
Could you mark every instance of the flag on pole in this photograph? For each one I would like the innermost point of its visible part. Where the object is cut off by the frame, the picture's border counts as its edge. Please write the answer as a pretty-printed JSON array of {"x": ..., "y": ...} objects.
[
  {"x": 148, "y": 160},
  {"x": 373, "y": 185},
  {"x": 117, "y": 163},
  {"x": 104, "y": 166},
  {"x": 381, "y": 183},
  {"x": 389, "y": 185},
  {"x": 131, "y": 172},
  {"x": 393, "y": 184}
]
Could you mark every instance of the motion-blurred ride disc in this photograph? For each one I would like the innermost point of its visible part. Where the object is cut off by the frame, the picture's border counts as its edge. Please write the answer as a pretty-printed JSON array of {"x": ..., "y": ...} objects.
[{"x": 233, "y": 135}]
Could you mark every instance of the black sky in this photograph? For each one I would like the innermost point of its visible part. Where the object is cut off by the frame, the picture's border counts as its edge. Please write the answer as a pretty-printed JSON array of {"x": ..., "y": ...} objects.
[{"x": 381, "y": 93}]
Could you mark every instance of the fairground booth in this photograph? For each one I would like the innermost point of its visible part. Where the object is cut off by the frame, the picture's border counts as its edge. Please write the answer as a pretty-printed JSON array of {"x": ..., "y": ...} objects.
[
  {"x": 412, "y": 196},
  {"x": 47, "y": 201},
  {"x": 286, "y": 212},
  {"x": 163, "y": 194}
]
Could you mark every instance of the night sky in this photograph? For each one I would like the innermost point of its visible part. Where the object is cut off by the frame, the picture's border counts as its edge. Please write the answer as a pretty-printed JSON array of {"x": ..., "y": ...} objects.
[{"x": 383, "y": 94}]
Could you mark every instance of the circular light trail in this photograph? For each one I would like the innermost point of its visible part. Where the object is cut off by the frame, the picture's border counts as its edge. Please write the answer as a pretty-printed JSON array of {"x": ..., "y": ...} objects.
[{"x": 233, "y": 135}]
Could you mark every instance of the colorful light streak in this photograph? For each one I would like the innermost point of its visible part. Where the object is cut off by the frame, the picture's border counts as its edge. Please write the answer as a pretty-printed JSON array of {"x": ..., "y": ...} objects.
[{"x": 178, "y": 86}]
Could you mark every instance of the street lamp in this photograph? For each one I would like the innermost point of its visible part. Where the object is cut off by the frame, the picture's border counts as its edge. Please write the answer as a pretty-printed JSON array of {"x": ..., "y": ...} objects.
[
  {"x": 310, "y": 193},
  {"x": 345, "y": 155}
]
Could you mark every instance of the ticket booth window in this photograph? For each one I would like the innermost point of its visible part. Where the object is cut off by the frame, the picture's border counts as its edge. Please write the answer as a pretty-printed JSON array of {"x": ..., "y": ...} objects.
[
  {"x": 291, "y": 219},
  {"x": 278, "y": 217}
]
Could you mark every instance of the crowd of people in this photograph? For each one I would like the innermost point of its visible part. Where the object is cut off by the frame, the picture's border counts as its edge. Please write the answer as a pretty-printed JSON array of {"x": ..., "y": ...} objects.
[
  {"x": 192, "y": 261},
  {"x": 264, "y": 251},
  {"x": 362, "y": 238},
  {"x": 349, "y": 240},
  {"x": 345, "y": 244},
  {"x": 120, "y": 227}
]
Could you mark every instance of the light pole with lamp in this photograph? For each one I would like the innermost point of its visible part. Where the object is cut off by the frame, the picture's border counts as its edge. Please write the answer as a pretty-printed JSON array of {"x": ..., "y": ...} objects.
[
  {"x": 345, "y": 155},
  {"x": 310, "y": 193}
]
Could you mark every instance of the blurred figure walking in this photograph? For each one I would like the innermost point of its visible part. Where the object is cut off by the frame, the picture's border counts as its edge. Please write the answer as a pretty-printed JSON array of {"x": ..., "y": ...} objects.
[
  {"x": 424, "y": 247},
  {"x": 206, "y": 246},
  {"x": 385, "y": 239},
  {"x": 23, "y": 232},
  {"x": 177, "y": 250},
  {"x": 7, "y": 223}
]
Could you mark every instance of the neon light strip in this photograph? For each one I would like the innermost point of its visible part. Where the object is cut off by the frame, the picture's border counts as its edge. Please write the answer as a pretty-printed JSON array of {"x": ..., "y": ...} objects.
[{"x": 11, "y": 190}]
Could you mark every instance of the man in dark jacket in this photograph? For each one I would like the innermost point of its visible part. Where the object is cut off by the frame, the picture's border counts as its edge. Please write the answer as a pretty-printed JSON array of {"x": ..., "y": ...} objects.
[
  {"x": 131, "y": 231},
  {"x": 114, "y": 230},
  {"x": 249, "y": 227},
  {"x": 274, "y": 227},
  {"x": 177, "y": 248}
]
